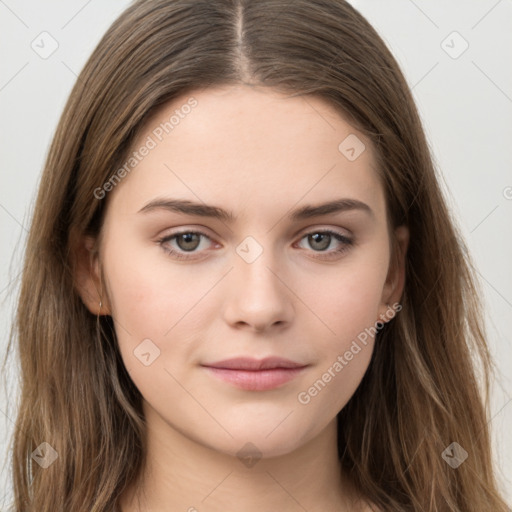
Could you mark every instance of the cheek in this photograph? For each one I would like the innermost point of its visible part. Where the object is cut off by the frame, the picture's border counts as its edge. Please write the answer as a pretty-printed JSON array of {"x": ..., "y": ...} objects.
[
  {"x": 345, "y": 301},
  {"x": 343, "y": 357},
  {"x": 159, "y": 308},
  {"x": 149, "y": 295},
  {"x": 348, "y": 309}
]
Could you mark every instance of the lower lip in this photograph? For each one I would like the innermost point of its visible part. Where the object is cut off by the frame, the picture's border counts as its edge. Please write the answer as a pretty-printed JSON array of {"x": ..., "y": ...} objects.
[{"x": 256, "y": 380}]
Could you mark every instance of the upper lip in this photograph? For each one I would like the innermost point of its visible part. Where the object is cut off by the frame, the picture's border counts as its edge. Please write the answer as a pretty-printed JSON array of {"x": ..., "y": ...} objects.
[{"x": 250, "y": 364}]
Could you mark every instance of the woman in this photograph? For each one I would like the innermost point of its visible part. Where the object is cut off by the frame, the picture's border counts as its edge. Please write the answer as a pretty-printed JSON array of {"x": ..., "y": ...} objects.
[{"x": 242, "y": 287}]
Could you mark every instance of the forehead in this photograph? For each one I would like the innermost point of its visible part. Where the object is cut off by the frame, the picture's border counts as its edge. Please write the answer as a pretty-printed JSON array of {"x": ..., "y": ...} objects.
[{"x": 250, "y": 147}]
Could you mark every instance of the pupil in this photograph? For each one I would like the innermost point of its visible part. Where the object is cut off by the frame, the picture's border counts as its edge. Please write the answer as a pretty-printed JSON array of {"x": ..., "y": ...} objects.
[
  {"x": 190, "y": 241},
  {"x": 319, "y": 237}
]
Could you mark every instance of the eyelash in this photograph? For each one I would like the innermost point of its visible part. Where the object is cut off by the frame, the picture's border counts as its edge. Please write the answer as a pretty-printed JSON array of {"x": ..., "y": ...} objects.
[{"x": 346, "y": 243}]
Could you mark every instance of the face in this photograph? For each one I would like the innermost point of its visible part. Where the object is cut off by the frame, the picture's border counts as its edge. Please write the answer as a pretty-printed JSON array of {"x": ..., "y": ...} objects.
[{"x": 246, "y": 262}]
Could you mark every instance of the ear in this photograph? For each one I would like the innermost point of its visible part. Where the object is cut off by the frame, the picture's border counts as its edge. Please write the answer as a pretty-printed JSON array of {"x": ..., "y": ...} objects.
[
  {"x": 87, "y": 277},
  {"x": 395, "y": 280}
]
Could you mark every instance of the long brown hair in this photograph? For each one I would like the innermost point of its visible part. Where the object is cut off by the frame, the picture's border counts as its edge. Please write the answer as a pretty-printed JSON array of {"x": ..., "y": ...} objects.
[{"x": 427, "y": 383}]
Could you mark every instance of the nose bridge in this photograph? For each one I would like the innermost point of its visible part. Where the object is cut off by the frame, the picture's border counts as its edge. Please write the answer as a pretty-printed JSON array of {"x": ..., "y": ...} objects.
[
  {"x": 254, "y": 270},
  {"x": 258, "y": 296}
]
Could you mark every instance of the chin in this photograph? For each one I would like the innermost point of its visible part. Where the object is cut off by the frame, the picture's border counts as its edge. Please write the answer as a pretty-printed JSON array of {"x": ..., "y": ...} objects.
[{"x": 256, "y": 441}]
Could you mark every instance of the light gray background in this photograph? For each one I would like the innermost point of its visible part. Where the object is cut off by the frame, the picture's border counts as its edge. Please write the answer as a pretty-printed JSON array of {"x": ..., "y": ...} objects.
[{"x": 465, "y": 103}]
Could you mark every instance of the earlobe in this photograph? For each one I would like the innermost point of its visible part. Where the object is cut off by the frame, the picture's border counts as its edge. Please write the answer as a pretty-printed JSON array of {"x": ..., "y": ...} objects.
[
  {"x": 87, "y": 277},
  {"x": 395, "y": 281}
]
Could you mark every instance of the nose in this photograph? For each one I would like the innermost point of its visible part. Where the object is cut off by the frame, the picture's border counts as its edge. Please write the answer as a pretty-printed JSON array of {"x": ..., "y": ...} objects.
[{"x": 258, "y": 298}]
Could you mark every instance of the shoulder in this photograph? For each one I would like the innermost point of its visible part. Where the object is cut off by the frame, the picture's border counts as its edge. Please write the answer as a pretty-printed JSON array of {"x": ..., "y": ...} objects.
[{"x": 370, "y": 507}]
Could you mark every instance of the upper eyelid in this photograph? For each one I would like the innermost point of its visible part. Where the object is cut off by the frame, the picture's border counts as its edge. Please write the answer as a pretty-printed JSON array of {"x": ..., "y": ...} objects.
[{"x": 302, "y": 232}]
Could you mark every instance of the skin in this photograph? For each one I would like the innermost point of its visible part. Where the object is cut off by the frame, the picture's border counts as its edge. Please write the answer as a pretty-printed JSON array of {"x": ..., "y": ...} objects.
[{"x": 259, "y": 154}]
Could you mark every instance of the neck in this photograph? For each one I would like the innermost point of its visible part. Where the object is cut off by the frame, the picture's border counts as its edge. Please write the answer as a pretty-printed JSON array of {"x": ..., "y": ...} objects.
[{"x": 182, "y": 474}]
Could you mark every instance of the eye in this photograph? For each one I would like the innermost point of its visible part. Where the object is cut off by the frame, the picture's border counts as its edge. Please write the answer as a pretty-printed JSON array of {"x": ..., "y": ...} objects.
[
  {"x": 321, "y": 240},
  {"x": 187, "y": 245},
  {"x": 179, "y": 244}
]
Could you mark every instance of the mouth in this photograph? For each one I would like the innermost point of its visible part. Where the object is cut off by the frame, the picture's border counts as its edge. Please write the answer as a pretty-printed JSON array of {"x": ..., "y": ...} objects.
[{"x": 256, "y": 374}]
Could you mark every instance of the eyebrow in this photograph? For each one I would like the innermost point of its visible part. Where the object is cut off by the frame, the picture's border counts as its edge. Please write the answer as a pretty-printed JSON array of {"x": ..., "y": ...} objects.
[{"x": 203, "y": 210}]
